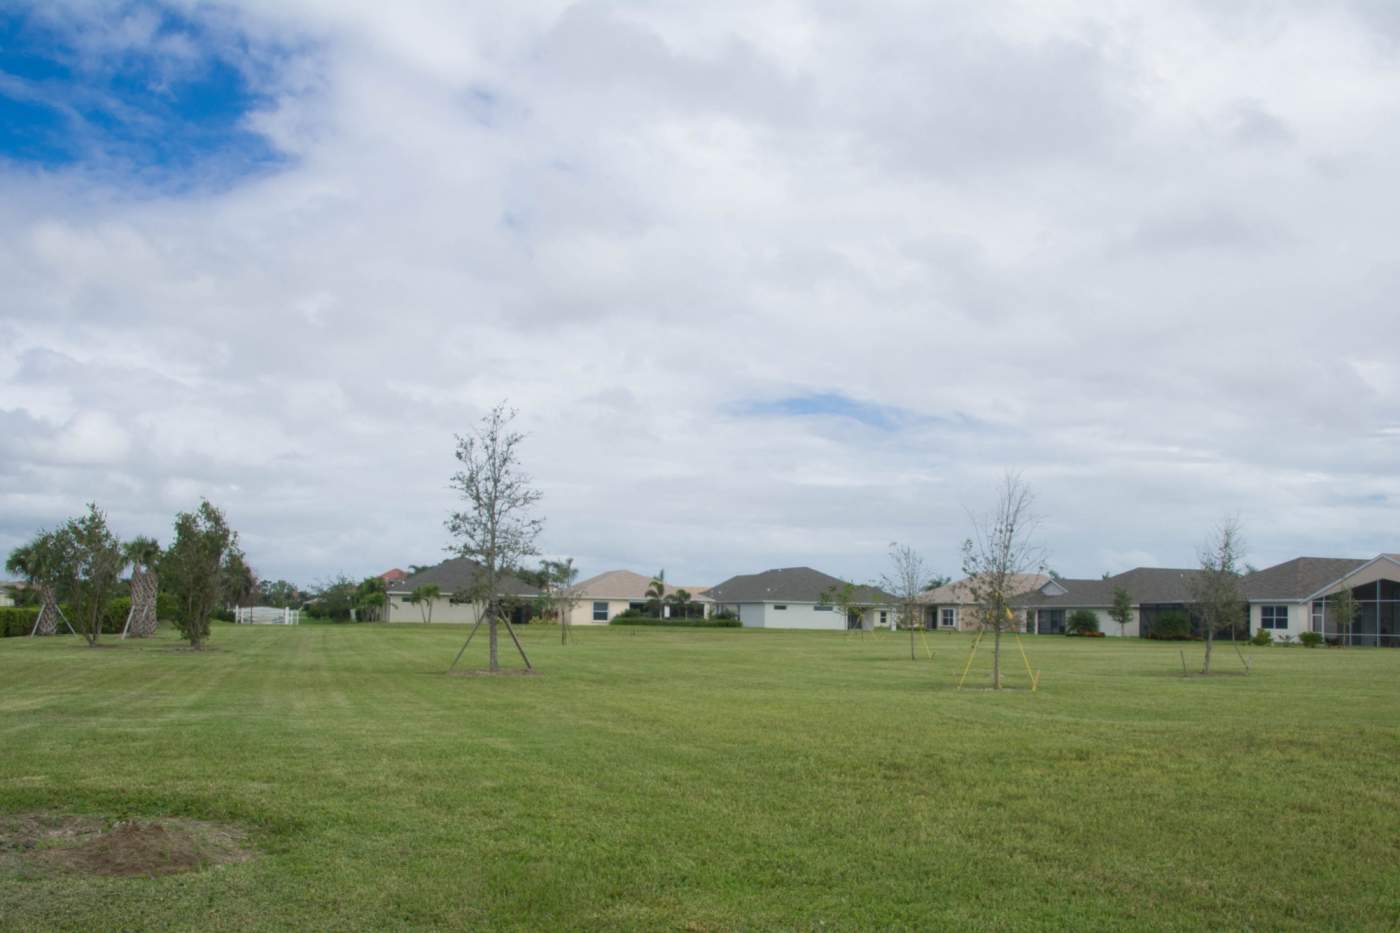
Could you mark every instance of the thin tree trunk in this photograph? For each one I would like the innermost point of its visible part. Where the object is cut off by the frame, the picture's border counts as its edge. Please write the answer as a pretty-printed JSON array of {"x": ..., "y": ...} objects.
[
  {"x": 913, "y": 655},
  {"x": 996, "y": 660},
  {"x": 1205, "y": 669},
  {"x": 492, "y": 635}
]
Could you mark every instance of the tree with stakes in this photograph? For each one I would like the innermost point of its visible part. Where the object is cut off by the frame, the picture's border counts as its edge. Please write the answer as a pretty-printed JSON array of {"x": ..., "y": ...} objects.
[
  {"x": 142, "y": 553},
  {"x": 1215, "y": 590},
  {"x": 41, "y": 563},
  {"x": 1002, "y": 548},
  {"x": 1122, "y": 609},
  {"x": 495, "y": 528},
  {"x": 193, "y": 568},
  {"x": 906, "y": 583}
]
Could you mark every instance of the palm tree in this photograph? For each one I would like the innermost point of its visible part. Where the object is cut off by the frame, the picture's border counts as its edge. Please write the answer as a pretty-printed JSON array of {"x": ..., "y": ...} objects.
[
  {"x": 423, "y": 596},
  {"x": 680, "y": 602},
  {"x": 656, "y": 592},
  {"x": 142, "y": 553}
]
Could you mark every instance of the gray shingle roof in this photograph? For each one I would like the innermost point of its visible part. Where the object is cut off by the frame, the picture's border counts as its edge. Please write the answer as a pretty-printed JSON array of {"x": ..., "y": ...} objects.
[
  {"x": 458, "y": 573},
  {"x": 1298, "y": 578},
  {"x": 795, "y": 584},
  {"x": 1144, "y": 585}
]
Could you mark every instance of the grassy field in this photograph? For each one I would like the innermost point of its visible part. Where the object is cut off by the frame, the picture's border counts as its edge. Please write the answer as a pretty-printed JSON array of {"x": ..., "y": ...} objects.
[{"x": 700, "y": 779}]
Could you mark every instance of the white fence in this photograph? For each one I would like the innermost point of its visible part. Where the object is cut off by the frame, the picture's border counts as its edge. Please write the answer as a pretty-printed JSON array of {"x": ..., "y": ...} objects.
[{"x": 266, "y": 615}]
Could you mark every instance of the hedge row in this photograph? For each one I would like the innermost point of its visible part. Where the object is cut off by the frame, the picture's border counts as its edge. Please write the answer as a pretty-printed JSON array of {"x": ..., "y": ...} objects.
[
  {"x": 17, "y": 620},
  {"x": 625, "y": 619}
]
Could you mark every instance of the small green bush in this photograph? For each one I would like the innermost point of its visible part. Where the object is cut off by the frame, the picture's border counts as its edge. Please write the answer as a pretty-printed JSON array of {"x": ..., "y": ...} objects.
[
  {"x": 1172, "y": 625},
  {"x": 715, "y": 622},
  {"x": 1310, "y": 639},
  {"x": 1262, "y": 637},
  {"x": 17, "y": 620},
  {"x": 1082, "y": 622}
]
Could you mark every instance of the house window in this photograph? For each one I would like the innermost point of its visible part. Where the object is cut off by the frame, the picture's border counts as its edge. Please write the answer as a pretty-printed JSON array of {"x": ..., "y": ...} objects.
[
  {"x": 950, "y": 616},
  {"x": 600, "y": 612},
  {"x": 822, "y": 608},
  {"x": 1318, "y": 618},
  {"x": 1273, "y": 617},
  {"x": 780, "y": 606},
  {"x": 884, "y": 617}
]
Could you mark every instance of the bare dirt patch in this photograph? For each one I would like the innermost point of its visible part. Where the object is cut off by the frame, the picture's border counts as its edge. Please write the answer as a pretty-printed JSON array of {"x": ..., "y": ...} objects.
[{"x": 40, "y": 845}]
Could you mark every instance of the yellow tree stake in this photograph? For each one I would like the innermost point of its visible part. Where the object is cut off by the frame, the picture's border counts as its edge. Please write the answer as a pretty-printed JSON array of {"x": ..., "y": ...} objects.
[
  {"x": 971, "y": 654},
  {"x": 1035, "y": 679}
]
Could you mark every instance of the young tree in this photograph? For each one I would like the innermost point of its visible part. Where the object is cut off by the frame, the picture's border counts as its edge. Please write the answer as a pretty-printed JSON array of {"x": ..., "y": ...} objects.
[
  {"x": 905, "y": 582},
  {"x": 95, "y": 565},
  {"x": 423, "y": 597},
  {"x": 495, "y": 529},
  {"x": 142, "y": 553},
  {"x": 1002, "y": 547},
  {"x": 193, "y": 568},
  {"x": 1215, "y": 590},
  {"x": 656, "y": 593},
  {"x": 1122, "y": 609},
  {"x": 846, "y": 598},
  {"x": 563, "y": 579},
  {"x": 1345, "y": 607}
]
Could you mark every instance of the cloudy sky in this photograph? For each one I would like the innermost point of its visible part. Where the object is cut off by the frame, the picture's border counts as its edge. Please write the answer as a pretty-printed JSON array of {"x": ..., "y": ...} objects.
[{"x": 769, "y": 283}]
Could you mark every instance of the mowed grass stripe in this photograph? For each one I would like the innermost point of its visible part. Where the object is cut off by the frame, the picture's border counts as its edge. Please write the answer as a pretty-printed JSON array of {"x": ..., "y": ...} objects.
[{"x": 716, "y": 779}]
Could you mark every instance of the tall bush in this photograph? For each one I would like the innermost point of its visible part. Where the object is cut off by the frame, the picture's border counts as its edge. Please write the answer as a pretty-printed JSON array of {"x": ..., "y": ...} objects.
[{"x": 193, "y": 568}]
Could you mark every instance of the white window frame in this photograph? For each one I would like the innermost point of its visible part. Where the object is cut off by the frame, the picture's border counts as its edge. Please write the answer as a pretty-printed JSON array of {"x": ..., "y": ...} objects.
[
  {"x": 604, "y": 610},
  {"x": 1272, "y": 617},
  {"x": 948, "y": 617}
]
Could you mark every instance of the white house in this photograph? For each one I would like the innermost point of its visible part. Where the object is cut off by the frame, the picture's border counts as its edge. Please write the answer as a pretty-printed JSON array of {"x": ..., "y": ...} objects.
[
  {"x": 793, "y": 597},
  {"x": 1297, "y": 596}
]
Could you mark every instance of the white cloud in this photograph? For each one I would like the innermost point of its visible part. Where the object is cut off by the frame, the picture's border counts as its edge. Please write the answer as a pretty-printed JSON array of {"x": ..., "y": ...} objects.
[{"x": 1142, "y": 255}]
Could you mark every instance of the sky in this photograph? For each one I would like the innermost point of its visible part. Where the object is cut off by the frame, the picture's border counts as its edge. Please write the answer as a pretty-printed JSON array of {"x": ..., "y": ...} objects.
[{"x": 769, "y": 283}]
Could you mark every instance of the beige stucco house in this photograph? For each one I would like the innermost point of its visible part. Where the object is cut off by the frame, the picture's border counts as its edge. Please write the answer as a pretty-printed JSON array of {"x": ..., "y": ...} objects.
[
  {"x": 609, "y": 594},
  {"x": 952, "y": 608},
  {"x": 798, "y": 597}
]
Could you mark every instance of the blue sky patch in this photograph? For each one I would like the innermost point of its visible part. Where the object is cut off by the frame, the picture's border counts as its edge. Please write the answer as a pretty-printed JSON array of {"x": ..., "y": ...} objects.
[
  {"x": 164, "y": 112},
  {"x": 828, "y": 404}
]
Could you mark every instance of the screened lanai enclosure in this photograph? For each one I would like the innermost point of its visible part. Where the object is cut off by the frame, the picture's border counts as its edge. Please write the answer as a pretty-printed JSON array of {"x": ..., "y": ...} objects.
[{"x": 1377, "y": 620}]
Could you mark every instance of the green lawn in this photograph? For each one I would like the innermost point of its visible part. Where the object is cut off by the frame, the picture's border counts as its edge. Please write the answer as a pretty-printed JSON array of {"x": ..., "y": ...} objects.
[{"x": 714, "y": 779}]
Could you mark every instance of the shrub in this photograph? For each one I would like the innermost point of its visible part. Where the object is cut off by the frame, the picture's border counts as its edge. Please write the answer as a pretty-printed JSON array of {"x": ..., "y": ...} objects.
[
  {"x": 1262, "y": 637},
  {"x": 17, "y": 620},
  {"x": 1172, "y": 625},
  {"x": 626, "y": 618},
  {"x": 1082, "y": 622},
  {"x": 1310, "y": 639}
]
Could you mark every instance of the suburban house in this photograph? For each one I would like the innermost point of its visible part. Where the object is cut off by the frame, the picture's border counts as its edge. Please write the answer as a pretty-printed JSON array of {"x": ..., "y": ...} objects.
[
  {"x": 455, "y": 579},
  {"x": 1286, "y": 600},
  {"x": 952, "y": 607},
  {"x": 1151, "y": 592},
  {"x": 7, "y": 592},
  {"x": 793, "y": 597},
  {"x": 614, "y": 592},
  {"x": 1296, "y": 596}
]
